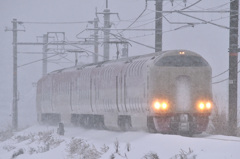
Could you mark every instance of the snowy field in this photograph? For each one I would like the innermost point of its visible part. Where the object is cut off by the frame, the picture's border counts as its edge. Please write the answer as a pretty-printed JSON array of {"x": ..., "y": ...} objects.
[{"x": 42, "y": 142}]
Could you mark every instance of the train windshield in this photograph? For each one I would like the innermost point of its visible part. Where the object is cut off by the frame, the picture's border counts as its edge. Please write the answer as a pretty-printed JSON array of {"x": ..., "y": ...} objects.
[{"x": 182, "y": 61}]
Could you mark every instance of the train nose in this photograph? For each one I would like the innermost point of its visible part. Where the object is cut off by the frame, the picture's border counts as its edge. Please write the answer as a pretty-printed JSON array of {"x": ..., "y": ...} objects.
[{"x": 183, "y": 94}]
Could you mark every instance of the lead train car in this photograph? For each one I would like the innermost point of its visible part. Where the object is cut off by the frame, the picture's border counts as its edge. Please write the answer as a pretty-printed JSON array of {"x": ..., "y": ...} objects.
[{"x": 167, "y": 92}]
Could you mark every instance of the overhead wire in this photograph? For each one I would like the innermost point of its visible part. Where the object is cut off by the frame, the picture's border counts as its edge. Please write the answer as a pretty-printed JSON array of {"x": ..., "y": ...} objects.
[
  {"x": 79, "y": 22},
  {"x": 122, "y": 38},
  {"x": 84, "y": 49},
  {"x": 36, "y": 61},
  {"x": 63, "y": 57},
  {"x": 151, "y": 21},
  {"x": 220, "y": 74},
  {"x": 39, "y": 59},
  {"x": 226, "y": 70},
  {"x": 217, "y": 7},
  {"x": 208, "y": 22},
  {"x": 133, "y": 19},
  {"x": 55, "y": 54},
  {"x": 134, "y": 27},
  {"x": 141, "y": 36},
  {"x": 187, "y": 25},
  {"x": 220, "y": 81},
  {"x": 204, "y": 21},
  {"x": 224, "y": 73},
  {"x": 163, "y": 32},
  {"x": 136, "y": 18}
]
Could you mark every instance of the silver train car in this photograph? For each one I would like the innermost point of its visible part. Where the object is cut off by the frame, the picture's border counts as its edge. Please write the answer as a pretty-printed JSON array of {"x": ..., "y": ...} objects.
[{"x": 166, "y": 92}]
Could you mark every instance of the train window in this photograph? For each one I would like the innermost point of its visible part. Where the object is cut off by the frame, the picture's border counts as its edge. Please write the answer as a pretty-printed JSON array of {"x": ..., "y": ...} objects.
[{"x": 182, "y": 61}]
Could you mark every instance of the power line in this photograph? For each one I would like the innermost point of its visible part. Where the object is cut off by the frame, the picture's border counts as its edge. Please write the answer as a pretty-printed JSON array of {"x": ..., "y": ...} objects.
[
  {"x": 220, "y": 74},
  {"x": 217, "y": 7},
  {"x": 84, "y": 49},
  {"x": 178, "y": 11},
  {"x": 35, "y": 61},
  {"x": 79, "y": 22},
  {"x": 224, "y": 71},
  {"x": 192, "y": 23},
  {"x": 220, "y": 81},
  {"x": 133, "y": 19},
  {"x": 64, "y": 57},
  {"x": 136, "y": 18},
  {"x": 122, "y": 38},
  {"x": 33, "y": 53},
  {"x": 151, "y": 21},
  {"x": 209, "y": 22},
  {"x": 204, "y": 21},
  {"x": 141, "y": 36}
]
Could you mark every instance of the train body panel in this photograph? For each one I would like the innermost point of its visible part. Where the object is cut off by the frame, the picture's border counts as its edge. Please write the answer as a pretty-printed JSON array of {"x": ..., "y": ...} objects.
[{"x": 142, "y": 92}]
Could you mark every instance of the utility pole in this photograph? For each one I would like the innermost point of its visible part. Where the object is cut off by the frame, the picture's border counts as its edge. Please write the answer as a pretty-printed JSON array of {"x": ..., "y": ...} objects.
[
  {"x": 158, "y": 23},
  {"x": 106, "y": 15},
  {"x": 95, "y": 56},
  {"x": 44, "y": 61},
  {"x": 15, "y": 91},
  {"x": 15, "y": 73},
  {"x": 106, "y": 29},
  {"x": 158, "y": 26},
  {"x": 233, "y": 68}
]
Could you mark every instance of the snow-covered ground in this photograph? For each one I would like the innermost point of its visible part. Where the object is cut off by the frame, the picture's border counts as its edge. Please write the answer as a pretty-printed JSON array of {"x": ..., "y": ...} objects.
[{"x": 42, "y": 142}]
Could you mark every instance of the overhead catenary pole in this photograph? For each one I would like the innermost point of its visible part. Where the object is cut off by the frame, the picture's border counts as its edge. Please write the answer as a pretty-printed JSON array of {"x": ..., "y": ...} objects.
[
  {"x": 15, "y": 74},
  {"x": 15, "y": 91},
  {"x": 106, "y": 15},
  {"x": 95, "y": 56},
  {"x": 158, "y": 26},
  {"x": 44, "y": 61},
  {"x": 233, "y": 68},
  {"x": 106, "y": 31}
]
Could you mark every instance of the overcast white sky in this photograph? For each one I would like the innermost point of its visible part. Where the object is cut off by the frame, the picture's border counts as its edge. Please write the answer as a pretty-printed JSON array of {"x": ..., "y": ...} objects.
[{"x": 208, "y": 40}]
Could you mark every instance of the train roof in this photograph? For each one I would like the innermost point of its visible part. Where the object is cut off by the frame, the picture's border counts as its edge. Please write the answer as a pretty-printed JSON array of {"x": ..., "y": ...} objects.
[{"x": 156, "y": 56}]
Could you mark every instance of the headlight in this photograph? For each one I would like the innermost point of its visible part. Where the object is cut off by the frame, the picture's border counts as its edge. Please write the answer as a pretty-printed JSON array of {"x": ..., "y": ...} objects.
[
  {"x": 157, "y": 105},
  {"x": 209, "y": 105},
  {"x": 204, "y": 105},
  {"x": 160, "y": 106},
  {"x": 201, "y": 106},
  {"x": 164, "y": 106}
]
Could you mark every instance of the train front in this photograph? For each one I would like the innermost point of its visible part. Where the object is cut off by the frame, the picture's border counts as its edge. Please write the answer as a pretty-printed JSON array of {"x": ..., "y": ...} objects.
[{"x": 180, "y": 92}]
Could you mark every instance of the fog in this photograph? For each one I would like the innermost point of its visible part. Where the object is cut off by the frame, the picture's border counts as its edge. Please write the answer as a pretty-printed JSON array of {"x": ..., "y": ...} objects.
[{"x": 210, "y": 41}]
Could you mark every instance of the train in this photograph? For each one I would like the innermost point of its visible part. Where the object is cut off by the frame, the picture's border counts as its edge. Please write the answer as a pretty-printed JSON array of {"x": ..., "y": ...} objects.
[{"x": 163, "y": 92}]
